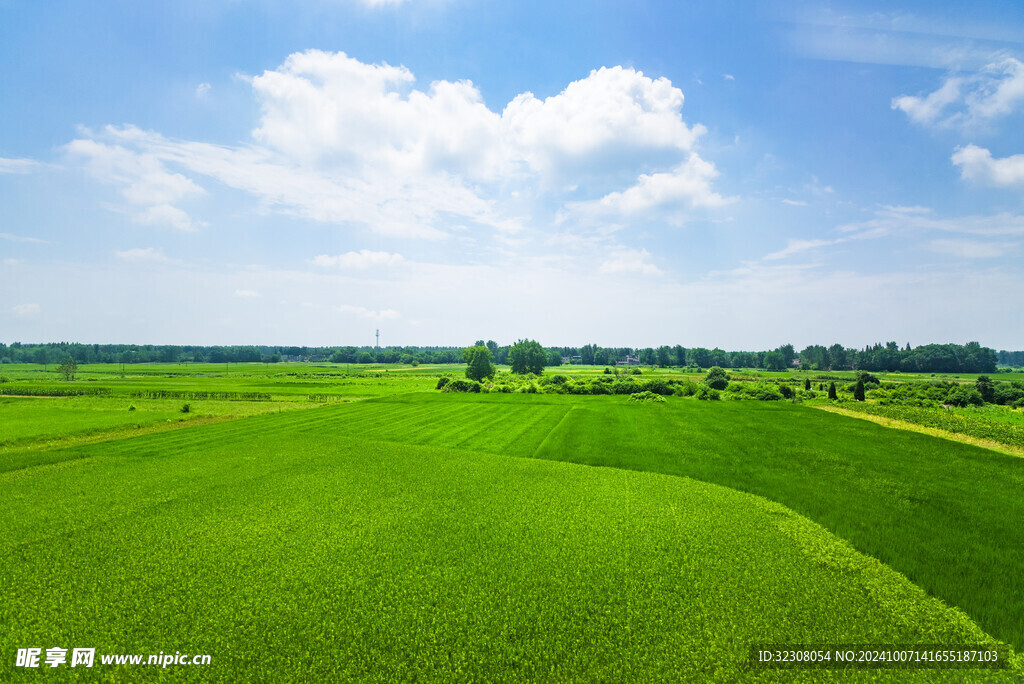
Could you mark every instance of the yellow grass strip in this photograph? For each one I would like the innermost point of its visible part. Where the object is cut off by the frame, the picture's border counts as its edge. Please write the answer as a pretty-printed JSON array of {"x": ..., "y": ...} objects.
[{"x": 934, "y": 432}]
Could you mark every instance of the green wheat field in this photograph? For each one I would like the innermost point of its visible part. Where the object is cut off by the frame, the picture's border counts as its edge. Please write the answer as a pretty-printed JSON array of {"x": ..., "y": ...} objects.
[{"x": 319, "y": 523}]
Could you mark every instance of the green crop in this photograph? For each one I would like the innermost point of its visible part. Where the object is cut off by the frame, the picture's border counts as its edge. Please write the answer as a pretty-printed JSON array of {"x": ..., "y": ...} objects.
[
  {"x": 944, "y": 514},
  {"x": 290, "y": 551}
]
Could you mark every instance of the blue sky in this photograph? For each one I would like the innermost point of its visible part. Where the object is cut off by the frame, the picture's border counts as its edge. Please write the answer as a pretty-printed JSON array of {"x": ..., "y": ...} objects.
[{"x": 634, "y": 174}]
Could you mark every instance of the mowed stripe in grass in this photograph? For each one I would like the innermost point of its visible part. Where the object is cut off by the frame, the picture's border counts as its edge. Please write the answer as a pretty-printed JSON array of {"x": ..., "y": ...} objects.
[
  {"x": 946, "y": 515},
  {"x": 288, "y": 553}
]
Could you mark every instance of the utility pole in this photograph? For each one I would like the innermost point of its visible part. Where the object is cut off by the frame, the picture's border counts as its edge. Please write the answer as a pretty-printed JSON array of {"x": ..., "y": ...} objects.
[{"x": 377, "y": 350}]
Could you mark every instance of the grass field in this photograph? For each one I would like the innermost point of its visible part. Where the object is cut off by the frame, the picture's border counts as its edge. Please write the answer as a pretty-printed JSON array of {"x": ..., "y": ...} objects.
[{"x": 427, "y": 536}]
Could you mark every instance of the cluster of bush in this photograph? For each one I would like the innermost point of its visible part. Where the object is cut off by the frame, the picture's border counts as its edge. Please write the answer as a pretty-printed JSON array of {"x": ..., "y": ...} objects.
[
  {"x": 712, "y": 389},
  {"x": 947, "y": 393},
  {"x": 717, "y": 385},
  {"x": 529, "y": 383}
]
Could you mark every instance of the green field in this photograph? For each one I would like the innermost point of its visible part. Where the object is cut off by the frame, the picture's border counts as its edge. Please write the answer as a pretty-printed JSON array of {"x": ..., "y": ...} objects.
[{"x": 443, "y": 537}]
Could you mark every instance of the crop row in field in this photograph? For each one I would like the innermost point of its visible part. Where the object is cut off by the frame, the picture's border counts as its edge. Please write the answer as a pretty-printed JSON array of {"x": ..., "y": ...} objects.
[{"x": 289, "y": 552}]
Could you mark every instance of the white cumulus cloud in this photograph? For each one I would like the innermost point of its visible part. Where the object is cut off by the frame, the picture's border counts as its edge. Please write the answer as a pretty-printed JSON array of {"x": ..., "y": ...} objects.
[
  {"x": 365, "y": 146},
  {"x": 978, "y": 164}
]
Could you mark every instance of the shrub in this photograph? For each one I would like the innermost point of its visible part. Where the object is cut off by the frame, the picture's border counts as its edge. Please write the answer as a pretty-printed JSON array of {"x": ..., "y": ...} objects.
[
  {"x": 646, "y": 396},
  {"x": 963, "y": 396},
  {"x": 185, "y": 408},
  {"x": 786, "y": 391},
  {"x": 766, "y": 391},
  {"x": 626, "y": 386},
  {"x": 986, "y": 388},
  {"x": 717, "y": 378},
  {"x": 442, "y": 382},
  {"x": 832, "y": 391},
  {"x": 460, "y": 385},
  {"x": 132, "y": 407},
  {"x": 865, "y": 377},
  {"x": 705, "y": 393},
  {"x": 659, "y": 386},
  {"x": 686, "y": 388}
]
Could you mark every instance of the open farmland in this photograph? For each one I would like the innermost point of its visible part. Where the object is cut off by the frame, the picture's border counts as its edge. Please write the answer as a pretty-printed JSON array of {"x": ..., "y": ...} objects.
[{"x": 447, "y": 537}]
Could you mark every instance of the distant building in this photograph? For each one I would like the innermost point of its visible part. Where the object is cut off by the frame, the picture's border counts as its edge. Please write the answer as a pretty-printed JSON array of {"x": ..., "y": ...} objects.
[{"x": 629, "y": 360}]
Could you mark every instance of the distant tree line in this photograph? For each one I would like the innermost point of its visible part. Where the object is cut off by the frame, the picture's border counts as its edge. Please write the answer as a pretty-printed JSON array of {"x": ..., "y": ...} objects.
[
  {"x": 57, "y": 352},
  {"x": 928, "y": 358},
  {"x": 931, "y": 358},
  {"x": 1011, "y": 358}
]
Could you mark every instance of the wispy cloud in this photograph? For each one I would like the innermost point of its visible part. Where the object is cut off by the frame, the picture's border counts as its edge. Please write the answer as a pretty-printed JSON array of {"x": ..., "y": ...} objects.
[
  {"x": 625, "y": 260},
  {"x": 363, "y": 312},
  {"x": 21, "y": 238},
  {"x": 360, "y": 260},
  {"x": 972, "y": 249},
  {"x": 969, "y": 101},
  {"x": 25, "y": 310},
  {"x": 150, "y": 190},
  {"x": 898, "y": 37},
  {"x": 797, "y": 247},
  {"x": 18, "y": 165},
  {"x": 142, "y": 254}
]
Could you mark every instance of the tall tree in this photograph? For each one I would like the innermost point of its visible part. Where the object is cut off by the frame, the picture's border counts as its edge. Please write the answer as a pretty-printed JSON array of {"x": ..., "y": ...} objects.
[
  {"x": 68, "y": 368},
  {"x": 478, "y": 363},
  {"x": 527, "y": 356}
]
